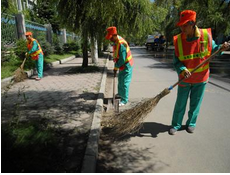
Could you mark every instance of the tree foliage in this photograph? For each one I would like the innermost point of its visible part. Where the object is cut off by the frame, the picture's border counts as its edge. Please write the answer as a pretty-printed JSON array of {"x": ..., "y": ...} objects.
[
  {"x": 92, "y": 17},
  {"x": 210, "y": 14},
  {"x": 45, "y": 12},
  {"x": 8, "y": 7}
]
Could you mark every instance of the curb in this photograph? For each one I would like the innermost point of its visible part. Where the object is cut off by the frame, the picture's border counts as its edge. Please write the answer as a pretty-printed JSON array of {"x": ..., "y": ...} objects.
[
  {"x": 91, "y": 152},
  {"x": 6, "y": 81}
]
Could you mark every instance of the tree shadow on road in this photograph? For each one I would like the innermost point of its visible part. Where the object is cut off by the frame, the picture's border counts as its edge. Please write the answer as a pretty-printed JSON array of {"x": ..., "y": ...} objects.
[{"x": 45, "y": 132}]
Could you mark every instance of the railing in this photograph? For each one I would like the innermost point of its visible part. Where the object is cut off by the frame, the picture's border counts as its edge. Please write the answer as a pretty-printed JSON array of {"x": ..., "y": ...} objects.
[
  {"x": 8, "y": 29},
  {"x": 38, "y": 30}
]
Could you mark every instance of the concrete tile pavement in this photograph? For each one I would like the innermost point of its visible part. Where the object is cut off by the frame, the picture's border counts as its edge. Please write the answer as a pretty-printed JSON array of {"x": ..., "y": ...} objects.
[{"x": 66, "y": 100}]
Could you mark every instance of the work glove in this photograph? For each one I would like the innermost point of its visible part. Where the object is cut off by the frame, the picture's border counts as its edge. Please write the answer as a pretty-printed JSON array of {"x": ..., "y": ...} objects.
[
  {"x": 26, "y": 55},
  {"x": 186, "y": 73},
  {"x": 225, "y": 46}
]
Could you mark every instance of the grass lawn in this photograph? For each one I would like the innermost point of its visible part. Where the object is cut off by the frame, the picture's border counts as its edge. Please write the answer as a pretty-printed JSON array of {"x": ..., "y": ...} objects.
[
  {"x": 56, "y": 57},
  {"x": 8, "y": 68}
]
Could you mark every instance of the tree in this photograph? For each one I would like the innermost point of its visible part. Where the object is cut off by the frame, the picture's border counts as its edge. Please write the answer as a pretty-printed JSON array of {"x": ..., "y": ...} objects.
[
  {"x": 7, "y": 6},
  {"x": 210, "y": 14},
  {"x": 45, "y": 12},
  {"x": 92, "y": 17}
]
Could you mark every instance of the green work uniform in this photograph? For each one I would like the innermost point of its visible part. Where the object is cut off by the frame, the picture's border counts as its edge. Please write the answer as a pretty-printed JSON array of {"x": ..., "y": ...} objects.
[
  {"x": 39, "y": 62},
  {"x": 194, "y": 90},
  {"x": 124, "y": 76}
]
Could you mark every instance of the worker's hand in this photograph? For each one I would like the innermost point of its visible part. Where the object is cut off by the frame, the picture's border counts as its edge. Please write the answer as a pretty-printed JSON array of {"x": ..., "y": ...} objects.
[
  {"x": 115, "y": 72},
  {"x": 27, "y": 55},
  {"x": 186, "y": 73},
  {"x": 225, "y": 46}
]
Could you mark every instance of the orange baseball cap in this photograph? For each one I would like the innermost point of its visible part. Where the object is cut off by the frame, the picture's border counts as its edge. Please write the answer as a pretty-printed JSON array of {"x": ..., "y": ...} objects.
[
  {"x": 28, "y": 33},
  {"x": 185, "y": 16},
  {"x": 110, "y": 32}
]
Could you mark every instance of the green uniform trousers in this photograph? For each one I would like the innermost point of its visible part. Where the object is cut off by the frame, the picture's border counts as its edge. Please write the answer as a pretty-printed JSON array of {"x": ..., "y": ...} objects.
[
  {"x": 196, "y": 92},
  {"x": 124, "y": 79},
  {"x": 39, "y": 65}
]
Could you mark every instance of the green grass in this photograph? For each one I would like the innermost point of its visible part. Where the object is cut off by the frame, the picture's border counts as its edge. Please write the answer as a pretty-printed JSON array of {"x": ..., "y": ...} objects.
[
  {"x": 7, "y": 69},
  {"x": 56, "y": 57}
]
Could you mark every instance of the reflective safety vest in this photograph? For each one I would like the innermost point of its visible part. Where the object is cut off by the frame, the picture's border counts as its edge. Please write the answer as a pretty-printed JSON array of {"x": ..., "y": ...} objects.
[
  {"x": 35, "y": 54},
  {"x": 193, "y": 53},
  {"x": 116, "y": 48}
]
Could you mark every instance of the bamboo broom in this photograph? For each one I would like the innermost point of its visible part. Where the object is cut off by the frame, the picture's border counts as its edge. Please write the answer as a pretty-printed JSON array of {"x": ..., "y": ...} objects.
[
  {"x": 131, "y": 120},
  {"x": 19, "y": 74}
]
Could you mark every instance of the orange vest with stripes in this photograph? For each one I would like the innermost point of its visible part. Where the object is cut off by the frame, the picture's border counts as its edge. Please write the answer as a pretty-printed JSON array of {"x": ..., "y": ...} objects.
[
  {"x": 116, "y": 48},
  {"x": 193, "y": 53},
  {"x": 35, "y": 54}
]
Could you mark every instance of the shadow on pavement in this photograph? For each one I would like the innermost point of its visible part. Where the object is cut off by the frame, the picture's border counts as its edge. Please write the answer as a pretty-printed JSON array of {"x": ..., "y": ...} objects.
[
  {"x": 115, "y": 156},
  {"x": 67, "y": 70},
  {"x": 153, "y": 129},
  {"x": 46, "y": 131}
]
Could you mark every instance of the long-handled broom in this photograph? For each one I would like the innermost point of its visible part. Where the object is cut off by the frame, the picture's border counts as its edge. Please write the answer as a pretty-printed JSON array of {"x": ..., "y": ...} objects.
[
  {"x": 19, "y": 74},
  {"x": 131, "y": 120}
]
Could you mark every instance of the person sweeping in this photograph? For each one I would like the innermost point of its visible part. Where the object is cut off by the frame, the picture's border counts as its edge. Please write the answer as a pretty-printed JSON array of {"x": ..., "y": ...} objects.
[
  {"x": 192, "y": 47},
  {"x": 123, "y": 62},
  {"x": 34, "y": 51}
]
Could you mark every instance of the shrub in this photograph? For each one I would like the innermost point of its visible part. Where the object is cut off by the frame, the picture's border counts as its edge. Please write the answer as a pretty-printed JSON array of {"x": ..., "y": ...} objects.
[
  {"x": 47, "y": 48},
  {"x": 71, "y": 46},
  {"x": 58, "y": 49},
  {"x": 21, "y": 48}
]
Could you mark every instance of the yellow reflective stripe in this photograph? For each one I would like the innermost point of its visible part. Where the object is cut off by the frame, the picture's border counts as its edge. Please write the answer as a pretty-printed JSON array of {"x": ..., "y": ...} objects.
[
  {"x": 194, "y": 56},
  {"x": 205, "y": 42},
  {"x": 201, "y": 69},
  {"x": 205, "y": 32},
  {"x": 180, "y": 47},
  {"x": 129, "y": 58},
  {"x": 36, "y": 52},
  {"x": 116, "y": 51}
]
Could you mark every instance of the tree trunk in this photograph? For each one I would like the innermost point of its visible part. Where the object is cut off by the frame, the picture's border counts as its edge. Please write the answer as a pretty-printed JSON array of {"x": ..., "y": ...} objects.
[
  {"x": 85, "y": 49},
  {"x": 94, "y": 50}
]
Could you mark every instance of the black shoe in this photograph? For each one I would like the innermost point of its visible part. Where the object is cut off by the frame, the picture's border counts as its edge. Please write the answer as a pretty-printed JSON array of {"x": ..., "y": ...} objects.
[
  {"x": 172, "y": 131},
  {"x": 190, "y": 129}
]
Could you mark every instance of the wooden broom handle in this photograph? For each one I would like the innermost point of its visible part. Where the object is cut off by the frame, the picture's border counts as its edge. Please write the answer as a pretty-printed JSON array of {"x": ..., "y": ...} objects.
[{"x": 23, "y": 63}]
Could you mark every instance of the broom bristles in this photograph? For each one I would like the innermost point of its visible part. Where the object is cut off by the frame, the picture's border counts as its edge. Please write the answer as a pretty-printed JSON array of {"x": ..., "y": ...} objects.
[
  {"x": 19, "y": 75},
  {"x": 131, "y": 120}
]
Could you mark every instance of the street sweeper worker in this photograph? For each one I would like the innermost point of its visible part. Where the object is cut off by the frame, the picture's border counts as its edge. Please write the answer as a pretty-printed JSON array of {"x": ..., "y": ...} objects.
[
  {"x": 34, "y": 51},
  {"x": 123, "y": 62},
  {"x": 192, "y": 47}
]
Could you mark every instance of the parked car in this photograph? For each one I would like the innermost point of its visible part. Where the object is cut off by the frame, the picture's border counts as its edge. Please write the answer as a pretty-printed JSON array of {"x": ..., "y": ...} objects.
[{"x": 156, "y": 42}]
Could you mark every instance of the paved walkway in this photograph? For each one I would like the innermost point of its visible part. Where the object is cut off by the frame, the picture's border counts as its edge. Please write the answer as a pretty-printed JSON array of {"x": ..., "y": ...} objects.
[{"x": 65, "y": 99}]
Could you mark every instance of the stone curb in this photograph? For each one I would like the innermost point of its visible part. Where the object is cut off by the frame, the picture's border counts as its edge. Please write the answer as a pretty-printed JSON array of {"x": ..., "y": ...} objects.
[
  {"x": 91, "y": 152},
  {"x": 6, "y": 81}
]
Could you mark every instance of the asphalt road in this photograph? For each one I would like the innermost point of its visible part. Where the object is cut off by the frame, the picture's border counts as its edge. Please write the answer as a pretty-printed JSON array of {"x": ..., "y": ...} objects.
[{"x": 153, "y": 149}]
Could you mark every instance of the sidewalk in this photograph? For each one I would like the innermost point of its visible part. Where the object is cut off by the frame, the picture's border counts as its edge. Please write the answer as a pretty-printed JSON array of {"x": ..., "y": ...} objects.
[{"x": 67, "y": 101}]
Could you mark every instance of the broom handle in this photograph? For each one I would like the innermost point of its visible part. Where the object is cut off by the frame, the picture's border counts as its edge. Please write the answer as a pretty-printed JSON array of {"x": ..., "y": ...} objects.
[
  {"x": 197, "y": 67},
  {"x": 22, "y": 65},
  {"x": 114, "y": 81}
]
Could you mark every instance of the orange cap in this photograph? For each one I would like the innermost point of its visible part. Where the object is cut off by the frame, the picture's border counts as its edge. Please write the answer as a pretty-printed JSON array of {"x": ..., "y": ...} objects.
[
  {"x": 186, "y": 16},
  {"x": 28, "y": 33},
  {"x": 110, "y": 32}
]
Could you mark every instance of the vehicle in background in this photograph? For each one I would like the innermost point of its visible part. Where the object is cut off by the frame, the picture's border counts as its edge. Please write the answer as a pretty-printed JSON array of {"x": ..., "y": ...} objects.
[
  {"x": 155, "y": 42},
  {"x": 131, "y": 44}
]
